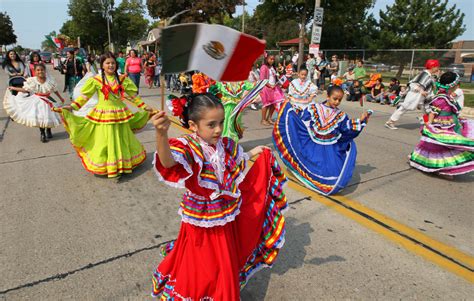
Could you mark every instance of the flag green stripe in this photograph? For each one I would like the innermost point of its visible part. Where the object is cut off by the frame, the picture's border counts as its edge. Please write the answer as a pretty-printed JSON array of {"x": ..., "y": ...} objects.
[{"x": 177, "y": 43}]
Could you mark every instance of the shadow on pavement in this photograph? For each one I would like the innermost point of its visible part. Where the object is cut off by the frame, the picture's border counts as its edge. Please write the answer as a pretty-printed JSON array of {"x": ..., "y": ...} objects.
[
  {"x": 139, "y": 170},
  {"x": 292, "y": 256},
  {"x": 356, "y": 178},
  {"x": 409, "y": 126}
]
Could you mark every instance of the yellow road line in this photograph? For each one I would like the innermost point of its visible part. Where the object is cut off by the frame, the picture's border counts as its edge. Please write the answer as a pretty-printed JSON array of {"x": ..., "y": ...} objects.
[
  {"x": 437, "y": 252},
  {"x": 401, "y": 234}
]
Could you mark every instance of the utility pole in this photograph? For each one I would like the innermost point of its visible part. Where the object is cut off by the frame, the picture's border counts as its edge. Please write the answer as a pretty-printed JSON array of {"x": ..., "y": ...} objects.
[{"x": 243, "y": 16}]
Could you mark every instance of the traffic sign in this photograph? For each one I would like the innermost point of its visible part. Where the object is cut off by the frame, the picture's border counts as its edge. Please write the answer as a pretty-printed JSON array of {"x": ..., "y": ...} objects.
[
  {"x": 316, "y": 34},
  {"x": 318, "y": 15}
]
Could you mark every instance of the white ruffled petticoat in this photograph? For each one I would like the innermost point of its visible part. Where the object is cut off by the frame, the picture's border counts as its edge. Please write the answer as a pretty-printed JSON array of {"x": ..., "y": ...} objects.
[{"x": 31, "y": 110}]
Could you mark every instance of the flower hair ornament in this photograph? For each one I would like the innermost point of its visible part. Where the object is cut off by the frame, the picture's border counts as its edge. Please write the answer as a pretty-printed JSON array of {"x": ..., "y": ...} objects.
[{"x": 178, "y": 106}]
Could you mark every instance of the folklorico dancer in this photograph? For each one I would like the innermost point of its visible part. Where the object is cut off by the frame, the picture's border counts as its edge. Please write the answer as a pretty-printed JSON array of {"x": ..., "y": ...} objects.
[
  {"x": 104, "y": 138},
  {"x": 317, "y": 145},
  {"x": 230, "y": 94},
  {"x": 272, "y": 94},
  {"x": 34, "y": 109},
  {"x": 447, "y": 142},
  {"x": 231, "y": 220},
  {"x": 302, "y": 91},
  {"x": 420, "y": 91}
]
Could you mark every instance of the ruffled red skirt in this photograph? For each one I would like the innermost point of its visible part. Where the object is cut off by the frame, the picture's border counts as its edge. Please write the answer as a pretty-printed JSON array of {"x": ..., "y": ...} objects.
[{"x": 215, "y": 263}]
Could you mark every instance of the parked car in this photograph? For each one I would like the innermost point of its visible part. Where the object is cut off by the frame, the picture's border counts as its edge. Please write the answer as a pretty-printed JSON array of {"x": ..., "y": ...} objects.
[
  {"x": 458, "y": 68},
  {"x": 382, "y": 67},
  {"x": 46, "y": 56}
]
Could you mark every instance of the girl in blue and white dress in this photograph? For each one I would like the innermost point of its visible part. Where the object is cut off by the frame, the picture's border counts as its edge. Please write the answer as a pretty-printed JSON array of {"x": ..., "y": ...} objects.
[
  {"x": 301, "y": 91},
  {"x": 317, "y": 144}
]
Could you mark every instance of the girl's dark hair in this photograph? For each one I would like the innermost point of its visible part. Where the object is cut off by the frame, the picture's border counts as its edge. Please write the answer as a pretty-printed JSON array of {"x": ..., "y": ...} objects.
[
  {"x": 303, "y": 68},
  {"x": 447, "y": 78},
  {"x": 103, "y": 57},
  {"x": 265, "y": 61},
  {"x": 334, "y": 89},
  {"x": 71, "y": 52},
  {"x": 8, "y": 61},
  {"x": 32, "y": 55},
  {"x": 311, "y": 55},
  {"x": 197, "y": 105}
]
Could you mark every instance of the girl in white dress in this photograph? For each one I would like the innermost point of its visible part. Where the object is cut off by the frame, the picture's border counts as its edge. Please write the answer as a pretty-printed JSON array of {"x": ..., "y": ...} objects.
[{"x": 33, "y": 105}]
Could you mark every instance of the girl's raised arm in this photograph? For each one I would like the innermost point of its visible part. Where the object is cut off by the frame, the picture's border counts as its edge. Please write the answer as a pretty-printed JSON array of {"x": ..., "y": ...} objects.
[{"x": 162, "y": 123}]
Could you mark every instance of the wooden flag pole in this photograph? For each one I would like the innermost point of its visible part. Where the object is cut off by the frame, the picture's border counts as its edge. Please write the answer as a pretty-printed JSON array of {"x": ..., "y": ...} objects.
[{"x": 162, "y": 92}]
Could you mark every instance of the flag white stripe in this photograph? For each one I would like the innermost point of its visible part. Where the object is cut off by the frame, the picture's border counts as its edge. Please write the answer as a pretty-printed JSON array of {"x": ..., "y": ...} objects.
[{"x": 201, "y": 60}]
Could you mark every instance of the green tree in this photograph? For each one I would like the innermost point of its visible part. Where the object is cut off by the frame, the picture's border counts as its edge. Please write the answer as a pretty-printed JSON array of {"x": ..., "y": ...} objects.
[
  {"x": 344, "y": 23},
  {"x": 6, "y": 28},
  {"x": 128, "y": 22},
  {"x": 87, "y": 22},
  {"x": 210, "y": 11},
  {"x": 422, "y": 24}
]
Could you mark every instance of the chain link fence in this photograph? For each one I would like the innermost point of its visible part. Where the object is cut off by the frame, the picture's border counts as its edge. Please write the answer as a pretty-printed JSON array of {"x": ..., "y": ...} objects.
[{"x": 403, "y": 64}]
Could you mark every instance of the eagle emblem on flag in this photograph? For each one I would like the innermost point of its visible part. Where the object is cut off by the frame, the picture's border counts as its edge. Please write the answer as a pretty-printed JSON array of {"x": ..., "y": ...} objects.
[{"x": 215, "y": 49}]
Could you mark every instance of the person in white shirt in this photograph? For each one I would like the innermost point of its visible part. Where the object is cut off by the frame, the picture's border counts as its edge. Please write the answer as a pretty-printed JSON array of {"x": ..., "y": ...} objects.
[{"x": 458, "y": 95}]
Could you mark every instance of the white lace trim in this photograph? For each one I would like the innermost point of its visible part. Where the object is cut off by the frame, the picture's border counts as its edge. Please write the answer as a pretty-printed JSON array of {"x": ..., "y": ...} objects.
[
  {"x": 217, "y": 191},
  {"x": 179, "y": 159},
  {"x": 210, "y": 223},
  {"x": 34, "y": 86}
]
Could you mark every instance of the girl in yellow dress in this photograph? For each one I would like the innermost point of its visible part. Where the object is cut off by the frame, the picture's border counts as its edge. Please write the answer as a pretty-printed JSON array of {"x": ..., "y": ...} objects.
[{"x": 104, "y": 138}]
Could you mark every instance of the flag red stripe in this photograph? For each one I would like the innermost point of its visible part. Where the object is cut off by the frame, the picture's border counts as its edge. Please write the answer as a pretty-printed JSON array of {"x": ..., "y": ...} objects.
[{"x": 246, "y": 52}]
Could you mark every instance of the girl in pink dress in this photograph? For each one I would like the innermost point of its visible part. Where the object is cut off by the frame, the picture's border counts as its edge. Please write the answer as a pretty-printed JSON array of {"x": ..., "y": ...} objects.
[{"x": 272, "y": 93}]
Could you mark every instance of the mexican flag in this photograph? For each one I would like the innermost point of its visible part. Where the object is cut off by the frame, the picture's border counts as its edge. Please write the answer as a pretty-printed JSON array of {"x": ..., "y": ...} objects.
[
  {"x": 56, "y": 41},
  {"x": 220, "y": 52}
]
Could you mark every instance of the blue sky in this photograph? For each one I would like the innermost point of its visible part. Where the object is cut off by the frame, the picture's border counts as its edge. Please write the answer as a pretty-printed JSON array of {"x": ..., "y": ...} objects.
[{"x": 33, "y": 19}]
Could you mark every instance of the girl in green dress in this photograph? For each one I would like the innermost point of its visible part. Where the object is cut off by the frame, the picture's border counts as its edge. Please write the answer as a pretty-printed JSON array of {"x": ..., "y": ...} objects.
[
  {"x": 232, "y": 93},
  {"x": 104, "y": 138}
]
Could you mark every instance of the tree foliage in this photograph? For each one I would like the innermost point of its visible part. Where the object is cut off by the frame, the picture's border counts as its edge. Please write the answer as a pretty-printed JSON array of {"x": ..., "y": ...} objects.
[
  {"x": 7, "y": 36},
  {"x": 88, "y": 21},
  {"x": 199, "y": 10},
  {"x": 419, "y": 24},
  {"x": 346, "y": 23},
  {"x": 128, "y": 23},
  {"x": 422, "y": 24}
]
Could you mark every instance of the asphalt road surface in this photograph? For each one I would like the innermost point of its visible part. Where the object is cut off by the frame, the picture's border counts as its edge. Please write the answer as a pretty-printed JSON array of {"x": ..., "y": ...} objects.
[{"x": 393, "y": 233}]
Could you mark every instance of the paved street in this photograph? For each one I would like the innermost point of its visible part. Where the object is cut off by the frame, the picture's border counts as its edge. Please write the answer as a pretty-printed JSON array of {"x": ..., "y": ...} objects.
[{"x": 394, "y": 233}]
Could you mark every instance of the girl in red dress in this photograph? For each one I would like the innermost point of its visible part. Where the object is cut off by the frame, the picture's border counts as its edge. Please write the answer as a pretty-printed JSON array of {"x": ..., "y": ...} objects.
[{"x": 232, "y": 221}]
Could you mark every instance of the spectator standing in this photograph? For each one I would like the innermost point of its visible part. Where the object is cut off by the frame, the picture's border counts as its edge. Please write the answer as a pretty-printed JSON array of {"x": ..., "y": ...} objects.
[
  {"x": 121, "y": 63},
  {"x": 294, "y": 60},
  {"x": 35, "y": 59},
  {"x": 150, "y": 65},
  {"x": 311, "y": 66},
  {"x": 323, "y": 72},
  {"x": 134, "y": 68},
  {"x": 72, "y": 70},
  {"x": 156, "y": 77},
  {"x": 15, "y": 69},
  {"x": 333, "y": 65}
]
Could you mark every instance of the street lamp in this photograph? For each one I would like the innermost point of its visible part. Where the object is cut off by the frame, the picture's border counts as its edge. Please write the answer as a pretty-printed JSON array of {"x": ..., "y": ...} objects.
[
  {"x": 168, "y": 21},
  {"x": 106, "y": 12}
]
